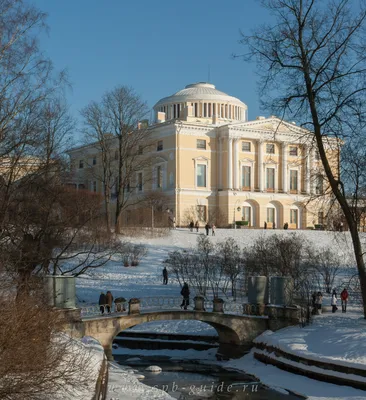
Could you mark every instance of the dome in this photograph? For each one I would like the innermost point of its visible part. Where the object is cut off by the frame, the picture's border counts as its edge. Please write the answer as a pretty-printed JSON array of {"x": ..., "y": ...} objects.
[
  {"x": 200, "y": 91},
  {"x": 201, "y": 102}
]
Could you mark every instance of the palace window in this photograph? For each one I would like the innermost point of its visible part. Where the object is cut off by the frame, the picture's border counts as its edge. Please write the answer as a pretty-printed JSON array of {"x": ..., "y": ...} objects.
[
  {"x": 201, "y": 144},
  {"x": 319, "y": 184},
  {"x": 139, "y": 181},
  {"x": 159, "y": 177},
  {"x": 245, "y": 146},
  {"x": 321, "y": 217},
  {"x": 270, "y": 214},
  {"x": 293, "y": 180},
  {"x": 245, "y": 177},
  {"x": 293, "y": 150},
  {"x": 270, "y": 148},
  {"x": 201, "y": 175},
  {"x": 140, "y": 150},
  {"x": 246, "y": 214},
  {"x": 94, "y": 160},
  {"x": 270, "y": 178},
  {"x": 81, "y": 163},
  {"x": 94, "y": 186},
  {"x": 159, "y": 146},
  {"x": 294, "y": 214},
  {"x": 201, "y": 213}
]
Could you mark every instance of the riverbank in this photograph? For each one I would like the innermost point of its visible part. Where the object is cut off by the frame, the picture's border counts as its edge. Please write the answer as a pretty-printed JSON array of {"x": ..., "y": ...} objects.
[{"x": 336, "y": 341}]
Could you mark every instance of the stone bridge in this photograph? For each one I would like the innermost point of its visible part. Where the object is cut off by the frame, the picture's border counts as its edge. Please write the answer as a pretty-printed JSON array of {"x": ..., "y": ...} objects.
[{"x": 235, "y": 330}]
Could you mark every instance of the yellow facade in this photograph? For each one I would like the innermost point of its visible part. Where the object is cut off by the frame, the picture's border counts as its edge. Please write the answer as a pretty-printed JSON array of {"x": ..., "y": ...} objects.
[{"x": 214, "y": 166}]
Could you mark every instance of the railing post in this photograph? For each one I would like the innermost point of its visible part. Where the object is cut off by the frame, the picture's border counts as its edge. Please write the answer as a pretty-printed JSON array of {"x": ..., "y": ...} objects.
[
  {"x": 199, "y": 303},
  {"x": 134, "y": 306},
  {"x": 218, "y": 305}
]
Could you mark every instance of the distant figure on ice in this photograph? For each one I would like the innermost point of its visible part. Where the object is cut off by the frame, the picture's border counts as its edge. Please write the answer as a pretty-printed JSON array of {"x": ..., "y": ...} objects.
[
  {"x": 265, "y": 225},
  {"x": 165, "y": 276},
  {"x": 213, "y": 229},
  {"x": 191, "y": 225},
  {"x": 197, "y": 225},
  {"x": 109, "y": 301},
  {"x": 102, "y": 302},
  {"x": 207, "y": 227},
  {"x": 185, "y": 293},
  {"x": 344, "y": 299}
]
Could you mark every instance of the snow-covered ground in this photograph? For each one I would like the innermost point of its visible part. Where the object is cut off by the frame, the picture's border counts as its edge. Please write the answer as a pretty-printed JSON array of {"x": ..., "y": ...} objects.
[{"x": 330, "y": 336}]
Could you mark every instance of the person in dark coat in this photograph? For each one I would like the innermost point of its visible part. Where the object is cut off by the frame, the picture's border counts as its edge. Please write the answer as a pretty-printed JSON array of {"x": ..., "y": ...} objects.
[
  {"x": 185, "y": 293},
  {"x": 285, "y": 226},
  {"x": 165, "y": 276},
  {"x": 102, "y": 302},
  {"x": 109, "y": 300},
  {"x": 197, "y": 225},
  {"x": 207, "y": 227},
  {"x": 191, "y": 225}
]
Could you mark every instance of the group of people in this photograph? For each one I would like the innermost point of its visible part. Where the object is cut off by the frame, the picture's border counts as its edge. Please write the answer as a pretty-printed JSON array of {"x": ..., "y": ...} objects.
[
  {"x": 105, "y": 302},
  {"x": 196, "y": 226},
  {"x": 317, "y": 300}
]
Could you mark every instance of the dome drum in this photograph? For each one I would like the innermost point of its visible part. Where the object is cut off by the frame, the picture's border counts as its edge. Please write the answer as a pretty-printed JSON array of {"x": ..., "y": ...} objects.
[{"x": 201, "y": 102}]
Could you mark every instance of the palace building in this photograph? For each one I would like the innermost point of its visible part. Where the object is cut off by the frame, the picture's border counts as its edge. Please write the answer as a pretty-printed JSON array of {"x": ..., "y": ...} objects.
[{"x": 213, "y": 165}]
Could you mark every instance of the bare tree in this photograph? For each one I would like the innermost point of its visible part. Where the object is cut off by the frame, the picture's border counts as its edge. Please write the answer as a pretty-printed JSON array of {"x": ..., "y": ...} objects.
[
  {"x": 124, "y": 110},
  {"x": 97, "y": 130},
  {"x": 328, "y": 265},
  {"x": 37, "y": 361},
  {"x": 312, "y": 63}
]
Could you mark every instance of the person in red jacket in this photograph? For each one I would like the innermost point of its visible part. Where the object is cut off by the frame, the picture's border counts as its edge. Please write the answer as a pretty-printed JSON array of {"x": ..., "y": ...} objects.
[{"x": 344, "y": 299}]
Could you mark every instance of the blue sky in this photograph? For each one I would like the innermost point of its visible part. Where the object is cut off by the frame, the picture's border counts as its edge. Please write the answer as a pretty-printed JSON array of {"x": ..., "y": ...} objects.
[{"x": 155, "y": 47}]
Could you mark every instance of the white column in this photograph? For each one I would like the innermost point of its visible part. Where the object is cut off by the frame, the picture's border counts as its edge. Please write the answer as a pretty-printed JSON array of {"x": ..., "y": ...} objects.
[
  {"x": 220, "y": 163},
  {"x": 307, "y": 151},
  {"x": 284, "y": 168},
  {"x": 230, "y": 163},
  {"x": 260, "y": 166},
  {"x": 236, "y": 167},
  {"x": 299, "y": 179}
]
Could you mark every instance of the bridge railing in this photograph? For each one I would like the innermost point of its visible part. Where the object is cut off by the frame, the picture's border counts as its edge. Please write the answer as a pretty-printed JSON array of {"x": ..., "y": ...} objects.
[{"x": 150, "y": 304}]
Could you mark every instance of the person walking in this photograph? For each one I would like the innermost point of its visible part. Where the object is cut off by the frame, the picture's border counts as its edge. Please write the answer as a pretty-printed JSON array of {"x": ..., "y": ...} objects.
[
  {"x": 318, "y": 302},
  {"x": 213, "y": 230},
  {"x": 109, "y": 301},
  {"x": 334, "y": 302},
  {"x": 174, "y": 223},
  {"x": 165, "y": 276},
  {"x": 197, "y": 225},
  {"x": 185, "y": 293},
  {"x": 207, "y": 227},
  {"x": 102, "y": 302},
  {"x": 191, "y": 225},
  {"x": 344, "y": 299}
]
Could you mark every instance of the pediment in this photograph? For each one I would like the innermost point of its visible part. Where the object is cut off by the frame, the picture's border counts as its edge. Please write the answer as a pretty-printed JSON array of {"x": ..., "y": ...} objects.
[
  {"x": 272, "y": 125},
  {"x": 247, "y": 160},
  {"x": 160, "y": 159},
  {"x": 200, "y": 158},
  {"x": 270, "y": 160}
]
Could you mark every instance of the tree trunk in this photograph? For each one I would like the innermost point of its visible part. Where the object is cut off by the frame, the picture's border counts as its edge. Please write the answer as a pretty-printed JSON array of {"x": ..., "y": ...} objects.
[{"x": 334, "y": 183}]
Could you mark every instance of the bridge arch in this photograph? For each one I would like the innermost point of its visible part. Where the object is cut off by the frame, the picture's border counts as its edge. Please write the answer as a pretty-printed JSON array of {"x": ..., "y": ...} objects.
[{"x": 234, "y": 331}]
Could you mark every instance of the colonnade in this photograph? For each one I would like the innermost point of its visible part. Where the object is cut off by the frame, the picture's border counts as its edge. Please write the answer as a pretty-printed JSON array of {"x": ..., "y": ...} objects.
[
  {"x": 205, "y": 110},
  {"x": 258, "y": 167}
]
